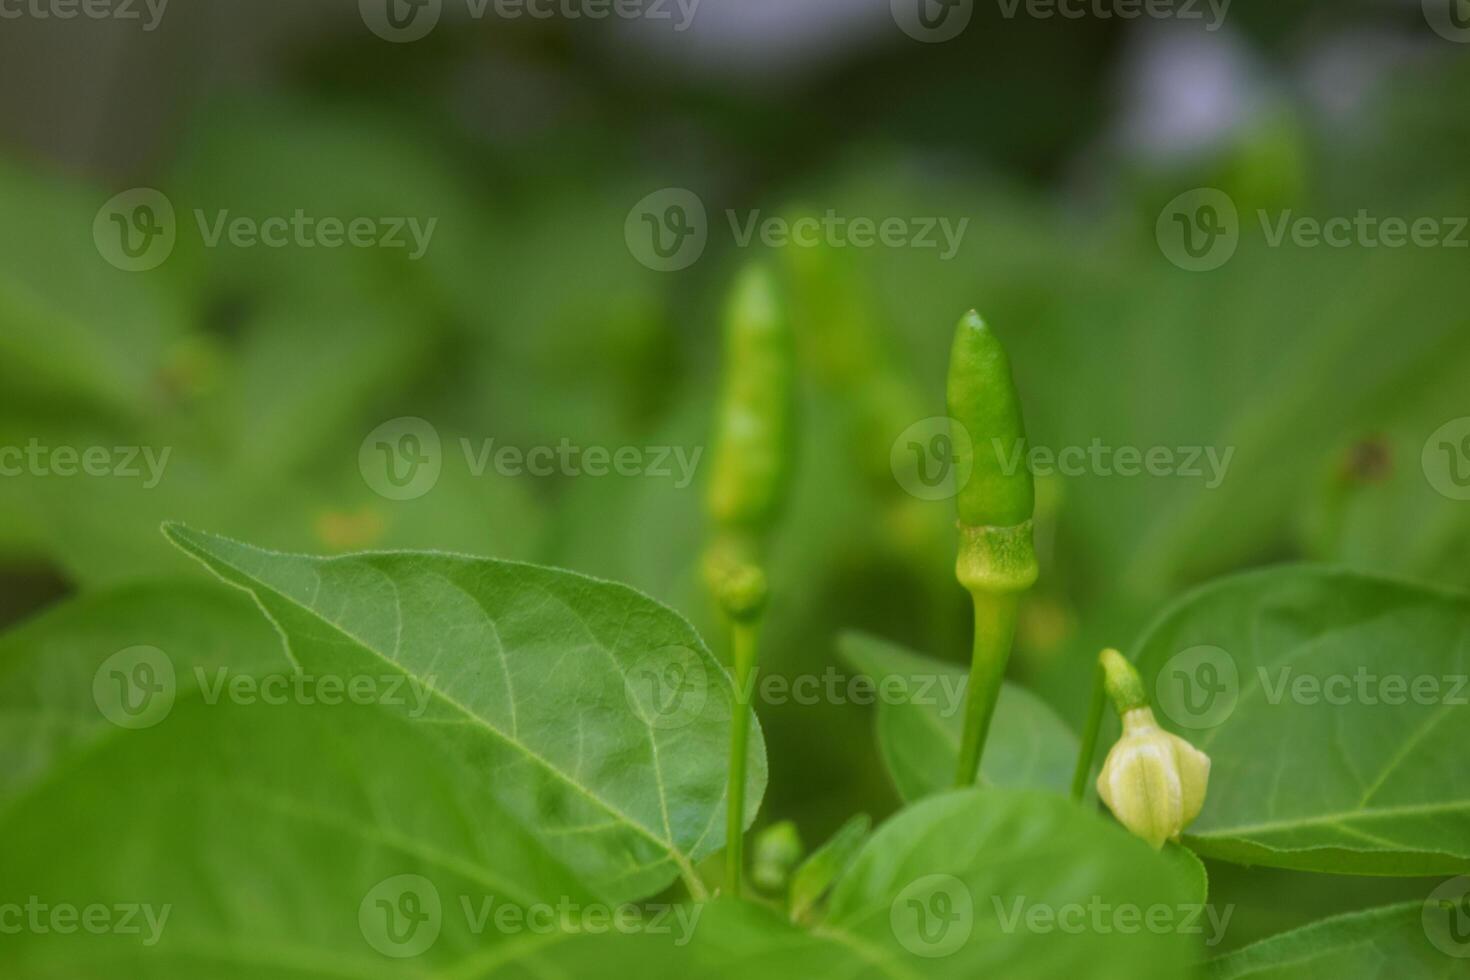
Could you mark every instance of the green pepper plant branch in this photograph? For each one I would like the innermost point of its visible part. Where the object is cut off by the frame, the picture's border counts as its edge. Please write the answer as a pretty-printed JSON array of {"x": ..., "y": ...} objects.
[
  {"x": 997, "y": 557},
  {"x": 1154, "y": 782},
  {"x": 753, "y": 434}
]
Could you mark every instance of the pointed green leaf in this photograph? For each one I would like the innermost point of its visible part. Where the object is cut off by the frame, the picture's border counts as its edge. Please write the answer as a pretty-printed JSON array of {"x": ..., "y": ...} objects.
[
  {"x": 825, "y": 865},
  {"x": 236, "y": 830},
  {"x": 597, "y": 715},
  {"x": 1364, "y": 679},
  {"x": 972, "y": 883},
  {"x": 1385, "y": 942}
]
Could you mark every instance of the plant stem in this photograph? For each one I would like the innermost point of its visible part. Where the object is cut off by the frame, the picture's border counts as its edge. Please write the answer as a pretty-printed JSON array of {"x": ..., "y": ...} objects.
[
  {"x": 697, "y": 891},
  {"x": 995, "y": 627},
  {"x": 1089, "y": 734},
  {"x": 743, "y": 657}
]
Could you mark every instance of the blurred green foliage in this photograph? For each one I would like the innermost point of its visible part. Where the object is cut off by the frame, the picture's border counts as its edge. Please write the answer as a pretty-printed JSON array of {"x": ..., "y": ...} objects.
[{"x": 530, "y": 322}]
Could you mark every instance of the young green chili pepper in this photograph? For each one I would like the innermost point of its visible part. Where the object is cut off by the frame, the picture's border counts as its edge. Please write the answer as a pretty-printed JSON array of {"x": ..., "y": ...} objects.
[
  {"x": 997, "y": 558},
  {"x": 753, "y": 446},
  {"x": 752, "y": 465}
]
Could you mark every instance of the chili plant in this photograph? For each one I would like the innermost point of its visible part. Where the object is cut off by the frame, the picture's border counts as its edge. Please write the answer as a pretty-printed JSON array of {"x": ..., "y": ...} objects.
[{"x": 424, "y": 764}]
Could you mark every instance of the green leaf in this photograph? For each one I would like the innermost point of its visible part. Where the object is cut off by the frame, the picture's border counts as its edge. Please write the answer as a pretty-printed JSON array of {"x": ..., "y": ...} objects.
[
  {"x": 1190, "y": 869},
  {"x": 919, "y": 724},
  {"x": 968, "y": 883},
  {"x": 191, "y": 814},
  {"x": 49, "y": 713},
  {"x": 1363, "y": 679},
  {"x": 559, "y": 685},
  {"x": 74, "y": 330},
  {"x": 1384, "y": 942},
  {"x": 825, "y": 865},
  {"x": 260, "y": 832}
]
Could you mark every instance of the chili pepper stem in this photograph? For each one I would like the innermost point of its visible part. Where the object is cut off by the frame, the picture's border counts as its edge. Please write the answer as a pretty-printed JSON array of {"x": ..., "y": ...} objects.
[
  {"x": 997, "y": 553},
  {"x": 995, "y": 626},
  {"x": 743, "y": 656},
  {"x": 1089, "y": 734}
]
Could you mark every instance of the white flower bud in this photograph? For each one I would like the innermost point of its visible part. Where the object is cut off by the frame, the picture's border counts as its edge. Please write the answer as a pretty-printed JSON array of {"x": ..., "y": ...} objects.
[{"x": 1153, "y": 781}]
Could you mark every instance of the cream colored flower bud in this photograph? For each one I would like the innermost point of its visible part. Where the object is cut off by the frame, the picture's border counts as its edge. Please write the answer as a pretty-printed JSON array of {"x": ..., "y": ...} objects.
[{"x": 1153, "y": 781}]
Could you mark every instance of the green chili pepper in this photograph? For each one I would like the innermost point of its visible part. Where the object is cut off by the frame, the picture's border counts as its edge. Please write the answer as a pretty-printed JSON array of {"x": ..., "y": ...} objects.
[
  {"x": 753, "y": 433},
  {"x": 982, "y": 398},
  {"x": 997, "y": 557},
  {"x": 751, "y": 469}
]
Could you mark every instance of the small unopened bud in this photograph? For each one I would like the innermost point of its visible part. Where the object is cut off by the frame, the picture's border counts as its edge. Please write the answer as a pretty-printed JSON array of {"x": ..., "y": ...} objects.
[
  {"x": 777, "y": 850},
  {"x": 735, "y": 580},
  {"x": 1153, "y": 780}
]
